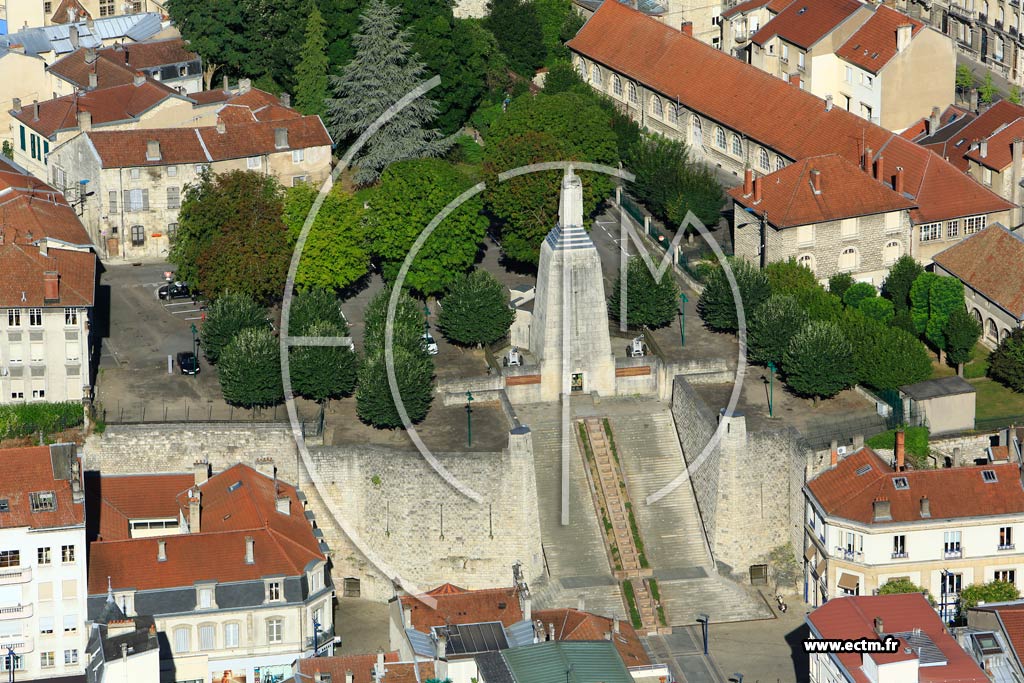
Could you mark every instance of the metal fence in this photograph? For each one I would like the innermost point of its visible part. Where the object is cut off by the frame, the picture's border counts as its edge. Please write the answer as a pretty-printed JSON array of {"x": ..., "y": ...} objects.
[{"x": 177, "y": 412}]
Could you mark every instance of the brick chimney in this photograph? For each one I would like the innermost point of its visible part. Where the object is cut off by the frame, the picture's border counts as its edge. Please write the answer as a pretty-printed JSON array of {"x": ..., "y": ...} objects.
[
  {"x": 898, "y": 182},
  {"x": 93, "y": 80},
  {"x": 90, "y": 55},
  {"x": 926, "y": 507},
  {"x": 551, "y": 631},
  {"x": 687, "y": 28},
  {"x": 244, "y": 85},
  {"x": 867, "y": 159},
  {"x": 880, "y": 168},
  {"x": 161, "y": 551},
  {"x": 881, "y": 510},
  {"x": 879, "y": 626},
  {"x": 194, "y": 511},
  {"x": 286, "y": 100},
  {"x": 834, "y": 457},
  {"x": 73, "y": 36},
  {"x": 378, "y": 668},
  {"x": 51, "y": 286},
  {"x": 903, "y": 35},
  {"x": 901, "y": 454},
  {"x": 201, "y": 470},
  {"x": 35, "y": 110},
  {"x": 16, "y": 105},
  {"x": 221, "y": 127},
  {"x": 828, "y": 103},
  {"x": 932, "y": 124},
  {"x": 138, "y": 79},
  {"x": 84, "y": 121},
  {"x": 794, "y": 80},
  {"x": 757, "y": 190},
  {"x": 250, "y": 550},
  {"x": 816, "y": 181},
  {"x": 748, "y": 182},
  {"x": 226, "y": 87},
  {"x": 983, "y": 149}
]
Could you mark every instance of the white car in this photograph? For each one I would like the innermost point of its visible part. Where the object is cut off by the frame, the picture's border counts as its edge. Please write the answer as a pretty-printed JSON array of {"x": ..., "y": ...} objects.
[{"x": 429, "y": 344}]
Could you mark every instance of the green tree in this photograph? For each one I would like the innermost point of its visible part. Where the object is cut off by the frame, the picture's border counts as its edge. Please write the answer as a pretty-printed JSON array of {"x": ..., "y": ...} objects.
[
  {"x": 670, "y": 184},
  {"x": 819, "y": 361},
  {"x": 877, "y": 308},
  {"x": 476, "y": 310},
  {"x": 216, "y": 30},
  {"x": 1014, "y": 96},
  {"x": 383, "y": 70},
  {"x": 839, "y": 283},
  {"x": 410, "y": 195},
  {"x": 228, "y": 315},
  {"x": 988, "y": 90},
  {"x": 341, "y": 18},
  {"x": 700, "y": 193},
  {"x": 717, "y": 306},
  {"x": 561, "y": 77},
  {"x": 552, "y": 15},
  {"x": 857, "y": 292},
  {"x": 519, "y": 32},
  {"x": 993, "y": 591},
  {"x": 274, "y": 34},
  {"x": 312, "y": 306},
  {"x": 250, "y": 369},
  {"x": 920, "y": 306},
  {"x": 964, "y": 79},
  {"x": 945, "y": 296},
  {"x": 323, "y": 372},
  {"x": 7, "y": 149},
  {"x": 336, "y": 254},
  {"x": 787, "y": 277},
  {"x": 819, "y": 304},
  {"x": 899, "y": 281},
  {"x": 650, "y": 302},
  {"x": 1006, "y": 363},
  {"x": 311, "y": 86},
  {"x": 902, "y": 585},
  {"x": 772, "y": 328},
  {"x": 962, "y": 332},
  {"x": 885, "y": 357}
]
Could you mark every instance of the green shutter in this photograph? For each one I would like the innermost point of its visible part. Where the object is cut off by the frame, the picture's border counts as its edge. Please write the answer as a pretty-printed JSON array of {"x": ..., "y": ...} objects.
[
  {"x": 22, "y": 128},
  {"x": 33, "y": 140}
]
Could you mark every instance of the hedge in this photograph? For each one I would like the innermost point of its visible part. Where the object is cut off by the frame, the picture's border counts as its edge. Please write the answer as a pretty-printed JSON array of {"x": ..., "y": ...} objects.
[{"x": 26, "y": 419}]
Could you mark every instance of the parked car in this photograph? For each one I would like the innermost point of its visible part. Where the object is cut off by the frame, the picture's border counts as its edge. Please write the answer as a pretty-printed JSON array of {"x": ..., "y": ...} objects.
[
  {"x": 429, "y": 344},
  {"x": 174, "y": 290},
  {"x": 188, "y": 364}
]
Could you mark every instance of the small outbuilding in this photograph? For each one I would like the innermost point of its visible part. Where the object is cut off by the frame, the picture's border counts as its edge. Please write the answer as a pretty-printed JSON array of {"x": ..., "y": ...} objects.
[{"x": 945, "y": 404}]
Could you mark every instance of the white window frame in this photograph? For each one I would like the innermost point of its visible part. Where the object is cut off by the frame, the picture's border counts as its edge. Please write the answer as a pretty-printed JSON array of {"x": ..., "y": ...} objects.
[
  {"x": 298, "y": 156},
  {"x": 35, "y": 317},
  {"x": 182, "y": 640},
  {"x": 231, "y": 634},
  {"x": 275, "y": 630},
  {"x": 207, "y": 637},
  {"x": 973, "y": 224},
  {"x": 254, "y": 163},
  {"x": 929, "y": 232}
]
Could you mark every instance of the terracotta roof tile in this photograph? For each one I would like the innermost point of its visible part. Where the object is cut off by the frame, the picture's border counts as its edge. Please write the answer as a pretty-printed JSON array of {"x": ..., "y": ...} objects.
[
  {"x": 990, "y": 263},
  {"x": 75, "y": 69},
  {"x": 846, "y": 191},
  {"x": 775, "y": 6},
  {"x": 780, "y": 116},
  {"x": 124, "y": 498},
  {"x": 572, "y": 624},
  {"x": 22, "y": 269},
  {"x": 30, "y": 209},
  {"x": 149, "y": 54},
  {"x": 27, "y": 471},
  {"x": 117, "y": 65},
  {"x": 987, "y": 123},
  {"x": 850, "y": 618},
  {"x": 284, "y": 543},
  {"x": 804, "y": 23},
  {"x": 999, "y": 152},
  {"x": 361, "y": 667},
  {"x": 874, "y": 43},
  {"x": 954, "y": 493},
  {"x": 459, "y": 606}
]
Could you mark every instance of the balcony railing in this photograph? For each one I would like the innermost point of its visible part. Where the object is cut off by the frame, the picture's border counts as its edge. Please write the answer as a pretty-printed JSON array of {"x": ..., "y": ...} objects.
[
  {"x": 14, "y": 575},
  {"x": 323, "y": 638},
  {"x": 1009, "y": 546},
  {"x": 15, "y": 612},
  {"x": 900, "y": 556},
  {"x": 847, "y": 554},
  {"x": 958, "y": 11},
  {"x": 20, "y": 644},
  {"x": 953, "y": 553}
]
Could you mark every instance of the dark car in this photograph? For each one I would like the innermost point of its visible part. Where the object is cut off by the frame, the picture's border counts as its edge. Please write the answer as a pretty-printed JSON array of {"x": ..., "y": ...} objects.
[
  {"x": 188, "y": 363},
  {"x": 174, "y": 290}
]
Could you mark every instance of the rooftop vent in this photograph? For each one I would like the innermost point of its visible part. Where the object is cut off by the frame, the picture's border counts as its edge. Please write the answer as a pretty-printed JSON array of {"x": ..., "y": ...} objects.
[
  {"x": 234, "y": 487},
  {"x": 901, "y": 483},
  {"x": 862, "y": 470},
  {"x": 989, "y": 476},
  {"x": 802, "y": 10}
]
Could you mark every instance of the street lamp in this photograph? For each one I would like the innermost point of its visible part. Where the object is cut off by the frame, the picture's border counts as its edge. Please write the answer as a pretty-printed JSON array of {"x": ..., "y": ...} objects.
[
  {"x": 195, "y": 344},
  {"x": 426, "y": 317},
  {"x": 469, "y": 418},
  {"x": 682, "y": 319},
  {"x": 704, "y": 620},
  {"x": 942, "y": 607},
  {"x": 316, "y": 640},
  {"x": 771, "y": 388},
  {"x": 11, "y": 659}
]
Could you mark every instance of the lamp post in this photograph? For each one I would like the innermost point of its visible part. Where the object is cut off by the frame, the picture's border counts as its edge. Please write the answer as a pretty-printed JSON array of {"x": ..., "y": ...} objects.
[
  {"x": 469, "y": 418},
  {"x": 316, "y": 639},
  {"x": 426, "y": 317},
  {"x": 704, "y": 621},
  {"x": 771, "y": 388},
  {"x": 11, "y": 659},
  {"x": 682, "y": 319},
  {"x": 195, "y": 342},
  {"x": 942, "y": 607}
]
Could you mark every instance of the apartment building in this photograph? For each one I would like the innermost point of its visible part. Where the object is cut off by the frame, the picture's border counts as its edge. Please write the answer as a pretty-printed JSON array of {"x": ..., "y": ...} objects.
[
  {"x": 42, "y": 562},
  {"x": 700, "y": 19},
  {"x": 166, "y": 61},
  {"x": 826, "y": 213},
  {"x": 735, "y": 116},
  {"x": 925, "y": 651},
  {"x": 122, "y": 649},
  {"x": 742, "y": 21},
  {"x": 19, "y": 13},
  {"x": 47, "y": 293},
  {"x": 869, "y": 521},
  {"x": 230, "y": 567}
]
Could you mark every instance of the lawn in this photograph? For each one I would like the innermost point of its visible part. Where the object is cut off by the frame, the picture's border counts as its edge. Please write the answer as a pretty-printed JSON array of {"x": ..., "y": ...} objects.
[
  {"x": 973, "y": 369},
  {"x": 997, "y": 403}
]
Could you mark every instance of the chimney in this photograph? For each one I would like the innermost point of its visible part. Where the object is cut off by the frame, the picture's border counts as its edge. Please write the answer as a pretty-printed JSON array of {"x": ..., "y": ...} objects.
[
  {"x": 161, "y": 551},
  {"x": 51, "y": 285},
  {"x": 867, "y": 159},
  {"x": 879, "y": 627},
  {"x": 834, "y": 459},
  {"x": 441, "y": 646},
  {"x": 687, "y": 28},
  {"x": 194, "y": 525},
  {"x": 551, "y": 631},
  {"x": 828, "y": 103},
  {"x": 880, "y": 168},
  {"x": 139, "y": 79},
  {"x": 794, "y": 80},
  {"x": 73, "y": 36},
  {"x": 816, "y": 181},
  {"x": 378, "y": 668},
  {"x": 90, "y": 55},
  {"x": 1015, "y": 173},
  {"x": 903, "y": 36},
  {"x": 527, "y": 605},
  {"x": 280, "y": 138},
  {"x": 284, "y": 505},
  {"x": 35, "y": 110},
  {"x": 757, "y": 190},
  {"x": 748, "y": 182},
  {"x": 406, "y": 616},
  {"x": 221, "y": 128},
  {"x": 933, "y": 121},
  {"x": 244, "y": 85},
  {"x": 615, "y": 626},
  {"x": 250, "y": 550},
  {"x": 607, "y": 635},
  {"x": 226, "y": 87},
  {"x": 93, "y": 80},
  {"x": 926, "y": 507},
  {"x": 16, "y": 105},
  {"x": 898, "y": 182},
  {"x": 881, "y": 510},
  {"x": 286, "y": 100},
  {"x": 318, "y": 677},
  {"x": 201, "y": 470},
  {"x": 153, "y": 150},
  {"x": 84, "y": 120},
  {"x": 900, "y": 451},
  {"x": 581, "y": 602},
  {"x": 983, "y": 149}
]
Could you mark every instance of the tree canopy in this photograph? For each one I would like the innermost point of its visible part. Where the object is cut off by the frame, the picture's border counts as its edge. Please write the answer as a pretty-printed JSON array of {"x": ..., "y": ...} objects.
[
  {"x": 311, "y": 86},
  {"x": 772, "y": 327},
  {"x": 336, "y": 253},
  {"x": 993, "y": 591},
  {"x": 649, "y": 302},
  {"x": 1006, "y": 363},
  {"x": 717, "y": 306},
  {"x": 249, "y": 369},
  {"x": 900, "y": 279},
  {"x": 229, "y": 314},
  {"x": 476, "y": 310},
  {"x": 819, "y": 361},
  {"x": 903, "y": 585},
  {"x": 517, "y": 26},
  {"x": 962, "y": 332}
]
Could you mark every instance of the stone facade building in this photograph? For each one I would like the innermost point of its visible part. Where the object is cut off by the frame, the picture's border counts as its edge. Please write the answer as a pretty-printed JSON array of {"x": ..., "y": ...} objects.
[
  {"x": 742, "y": 21},
  {"x": 18, "y": 13}
]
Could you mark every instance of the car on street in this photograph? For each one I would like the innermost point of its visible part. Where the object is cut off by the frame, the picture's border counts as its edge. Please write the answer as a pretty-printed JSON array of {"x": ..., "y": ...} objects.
[
  {"x": 429, "y": 344},
  {"x": 188, "y": 364},
  {"x": 174, "y": 290}
]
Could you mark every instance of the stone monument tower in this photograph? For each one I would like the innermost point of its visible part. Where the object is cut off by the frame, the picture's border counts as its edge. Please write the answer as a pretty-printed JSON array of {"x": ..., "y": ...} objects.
[{"x": 569, "y": 334}]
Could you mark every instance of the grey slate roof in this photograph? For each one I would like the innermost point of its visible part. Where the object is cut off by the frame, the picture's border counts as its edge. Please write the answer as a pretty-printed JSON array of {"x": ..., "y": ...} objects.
[
  {"x": 491, "y": 668},
  {"x": 521, "y": 632},
  {"x": 421, "y": 643},
  {"x": 934, "y": 388},
  {"x": 136, "y": 27}
]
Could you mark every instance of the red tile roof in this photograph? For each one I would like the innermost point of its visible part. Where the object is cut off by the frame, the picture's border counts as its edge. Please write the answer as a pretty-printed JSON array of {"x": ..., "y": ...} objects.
[
  {"x": 1012, "y": 617},
  {"x": 22, "y": 272},
  {"x": 768, "y": 110},
  {"x": 457, "y": 605},
  {"x": 149, "y": 54},
  {"x": 120, "y": 499},
  {"x": 571, "y": 624},
  {"x": 116, "y": 65},
  {"x": 953, "y": 493},
  {"x": 107, "y": 105},
  {"x": 804, "y": 23},
  {"x": 874, "y": 43},
  {"x": 361, "y": 667},
  {"x": 989, "y": 262},
  {"x": 919, "y": 131},
  {"x": 774, "y": 6},
  {"x": 284, "y": 543},
  {"x": 846, "y": 191},
  {"x": 27, "y": 471},
  {"x": 121, "y": 148},
  {"x": 999, "y": 152},
  {"x": 987, "y": 123},
  {"x": 30, "y": 209},
  {"x": 851, "y": 618}
]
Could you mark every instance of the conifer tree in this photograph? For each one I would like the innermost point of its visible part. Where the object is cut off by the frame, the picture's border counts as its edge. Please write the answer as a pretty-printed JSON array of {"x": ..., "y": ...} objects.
[{"x": 311, "y": 88}]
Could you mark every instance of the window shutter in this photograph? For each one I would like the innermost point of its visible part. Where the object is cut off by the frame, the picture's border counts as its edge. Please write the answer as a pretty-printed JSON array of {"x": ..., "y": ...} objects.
[
  {"x": 113, "y": 201},
  {"x": 145, "y": 200},
  {"x": 128, "y": 201}
]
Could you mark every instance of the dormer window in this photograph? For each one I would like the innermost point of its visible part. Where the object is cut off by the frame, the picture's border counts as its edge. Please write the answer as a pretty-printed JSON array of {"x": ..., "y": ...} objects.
[
  {"x": 989, "y": 476},
  {"x": 43, "y": 501},
  {"x": 901, "y": 483}
]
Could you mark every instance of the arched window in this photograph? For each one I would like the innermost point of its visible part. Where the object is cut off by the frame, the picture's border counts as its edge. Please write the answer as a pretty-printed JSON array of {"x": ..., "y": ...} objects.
[
  {"x": 182, "y": 639},
  {"x": 991, "y": 332},
  {"x": 673, "y": 113},
  {"x": 848, "y": 260},
  {"x": 719, "y": 138},
  {"x": 977, "y": 315},
  {"x": 1003, "y": 334},
  {"x": 656, "y": 107},
  {"x": 582, "y": 68},
  {"x": 763, "y": 160},
  {"x": 632, "y": 93},
  {"x": 698, "y": 134},
  {"x": 617, "y": 85},
  {"x": 779, "y": 164},
  {"x": 595, "y": 74},
  {"x": 737, "y": 146},
  {"x": 1002, "y": 15},
  {"x": 891, "y": 252},
  {"x": 807, "y": 261}
]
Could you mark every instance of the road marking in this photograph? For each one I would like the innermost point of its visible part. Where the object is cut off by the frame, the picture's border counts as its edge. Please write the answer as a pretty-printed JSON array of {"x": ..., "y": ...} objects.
[
  {"x": 191, "y": 310},
  {"x": 180, "y": 303},
  {"x": 199, "y": 317}
]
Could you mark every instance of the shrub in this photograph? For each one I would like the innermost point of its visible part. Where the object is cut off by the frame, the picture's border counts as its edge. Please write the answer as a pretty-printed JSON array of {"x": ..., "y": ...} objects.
[
  {"x": 857, "y": 292},
  {"x": 839, "y": 283},
  {"x": 915, "y": 443},
  {"x": 25, "y": 419},
  {"x": 901, "y": 585},
  {"x": 1006, "y": 363}
]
